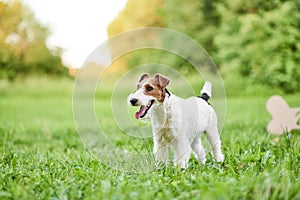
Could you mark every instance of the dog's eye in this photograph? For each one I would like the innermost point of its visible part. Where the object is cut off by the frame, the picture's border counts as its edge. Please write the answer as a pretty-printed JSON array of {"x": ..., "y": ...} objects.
[{"x": 149, "y": 88}]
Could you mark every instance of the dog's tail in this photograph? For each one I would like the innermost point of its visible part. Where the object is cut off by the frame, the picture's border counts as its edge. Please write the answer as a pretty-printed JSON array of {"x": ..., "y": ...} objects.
[{"x": 206, "y": 91}]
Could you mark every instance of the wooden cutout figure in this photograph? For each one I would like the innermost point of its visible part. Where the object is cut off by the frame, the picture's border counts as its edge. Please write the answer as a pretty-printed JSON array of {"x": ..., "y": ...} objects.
[{"x": 285, "y": 119}]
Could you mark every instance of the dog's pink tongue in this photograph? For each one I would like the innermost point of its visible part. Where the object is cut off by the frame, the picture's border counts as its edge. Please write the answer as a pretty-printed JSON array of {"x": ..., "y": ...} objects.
[
  {"x": 140, "y": 112},
  {"x": 137, "y": 115}
]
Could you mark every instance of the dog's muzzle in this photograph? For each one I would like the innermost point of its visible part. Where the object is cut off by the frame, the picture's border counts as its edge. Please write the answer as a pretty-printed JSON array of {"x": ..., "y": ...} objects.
[
  {"x": 133, "y": 102},
  {"x": 142, "y": 112}
]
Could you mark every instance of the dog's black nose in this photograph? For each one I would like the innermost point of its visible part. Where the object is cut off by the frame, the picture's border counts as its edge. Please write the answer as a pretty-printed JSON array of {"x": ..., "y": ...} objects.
[{"x": 133, "y": 101}]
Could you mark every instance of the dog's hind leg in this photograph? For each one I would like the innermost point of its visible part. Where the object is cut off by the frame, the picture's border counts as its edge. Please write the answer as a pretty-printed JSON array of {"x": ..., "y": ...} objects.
[
  {"x": 214, "y": 140},
  {"x": 199, "y": 150}
]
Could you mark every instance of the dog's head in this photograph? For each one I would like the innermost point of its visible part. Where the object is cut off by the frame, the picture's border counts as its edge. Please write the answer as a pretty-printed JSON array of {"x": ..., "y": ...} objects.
[{"x": 149, "y": 91}]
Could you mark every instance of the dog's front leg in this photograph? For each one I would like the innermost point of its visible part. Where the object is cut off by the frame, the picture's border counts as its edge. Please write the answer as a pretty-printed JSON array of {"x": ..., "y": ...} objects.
[
  {"x": 160, "y": 151},
  {"x": 182, "y": 152}
]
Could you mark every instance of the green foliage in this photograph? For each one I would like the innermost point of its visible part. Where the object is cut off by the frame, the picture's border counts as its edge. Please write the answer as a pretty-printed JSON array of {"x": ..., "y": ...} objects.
[
  {"x": 261, "y": 43},
  {"x": 200, "y": 26},
  {"x": 252, "y": 41},
  {"x": 9, "y": 65},
  {"x": 161, "y": 57},
  {"x": 43, "y": 158},
  {"x": 136, "y": 14},
  {"x": 23, "y": 47},
  {"x": 197, "y": 19}
]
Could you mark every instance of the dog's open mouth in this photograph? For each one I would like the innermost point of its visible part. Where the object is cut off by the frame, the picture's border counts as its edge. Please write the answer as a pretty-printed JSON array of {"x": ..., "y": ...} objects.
[{"x": 143, "y": 110}]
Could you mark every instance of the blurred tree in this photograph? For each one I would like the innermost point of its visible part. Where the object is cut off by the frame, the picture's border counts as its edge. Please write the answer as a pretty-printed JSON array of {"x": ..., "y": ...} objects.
[
  {"x": 23, "y": 47},
  {"x": 257, "y": 40},
  {"x": 136, "y": 14},
  {"x": 197, "y": 19},
  {"x": 261, "y": 41}
]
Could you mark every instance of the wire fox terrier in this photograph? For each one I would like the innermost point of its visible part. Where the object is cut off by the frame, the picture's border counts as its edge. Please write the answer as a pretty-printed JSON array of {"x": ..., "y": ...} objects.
[{"x": 177, "y": 122}]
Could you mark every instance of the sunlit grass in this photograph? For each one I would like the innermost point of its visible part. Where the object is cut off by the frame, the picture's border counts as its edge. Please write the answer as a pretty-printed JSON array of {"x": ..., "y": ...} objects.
[{"x": 42, "y": 157}]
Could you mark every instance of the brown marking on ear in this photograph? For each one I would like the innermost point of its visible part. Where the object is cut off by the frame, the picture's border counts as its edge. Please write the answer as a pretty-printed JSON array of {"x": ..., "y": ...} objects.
[
  {"x": 162, "y": 80},
  {"x": 144, "y": 77}
]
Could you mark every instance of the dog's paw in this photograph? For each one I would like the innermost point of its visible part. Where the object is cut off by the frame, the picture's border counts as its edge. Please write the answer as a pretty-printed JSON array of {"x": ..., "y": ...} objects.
[
  {"x": 220, "y": 157},
  {"x": 182, "y": 164},
  {"x": 160, "y": 164},
  {"x": 202, "y": 160}
]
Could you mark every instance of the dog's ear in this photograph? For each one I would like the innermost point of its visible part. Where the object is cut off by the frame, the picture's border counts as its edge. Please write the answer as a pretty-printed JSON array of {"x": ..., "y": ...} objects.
[
  {"x": 162, "y": 80},
  {"x": 144, "y": 77}
]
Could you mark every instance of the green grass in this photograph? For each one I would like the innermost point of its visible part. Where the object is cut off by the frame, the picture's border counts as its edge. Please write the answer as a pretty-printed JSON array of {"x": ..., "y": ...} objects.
[{"x": 41, "y": 156}]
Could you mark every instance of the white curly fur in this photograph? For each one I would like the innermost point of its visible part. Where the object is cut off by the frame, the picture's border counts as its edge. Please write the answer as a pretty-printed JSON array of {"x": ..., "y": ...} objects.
[{"x": 179, "y": 123}]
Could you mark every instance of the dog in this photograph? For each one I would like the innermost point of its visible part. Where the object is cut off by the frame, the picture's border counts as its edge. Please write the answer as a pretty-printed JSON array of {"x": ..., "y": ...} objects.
[{"x": 177, "y": 122}]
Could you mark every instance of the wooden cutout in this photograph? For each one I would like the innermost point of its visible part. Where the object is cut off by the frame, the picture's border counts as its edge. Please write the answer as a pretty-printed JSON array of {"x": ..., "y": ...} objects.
[{"x": 284, "y": 118}]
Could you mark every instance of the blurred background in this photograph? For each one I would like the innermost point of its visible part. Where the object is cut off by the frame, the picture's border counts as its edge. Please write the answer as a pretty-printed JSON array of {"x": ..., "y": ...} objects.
[
  {"x": 43, "y": 44},
  {"x": 255, "y": 44}
]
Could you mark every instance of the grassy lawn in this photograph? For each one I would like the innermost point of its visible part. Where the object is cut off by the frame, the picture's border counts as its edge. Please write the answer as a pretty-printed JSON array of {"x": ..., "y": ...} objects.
[{"x": 42, "y": 157}]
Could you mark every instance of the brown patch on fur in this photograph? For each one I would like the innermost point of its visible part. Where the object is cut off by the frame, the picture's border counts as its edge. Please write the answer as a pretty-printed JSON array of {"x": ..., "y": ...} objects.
[
  {"x": 142, "y": 79},
  {"x": 162, "y": 80},
  {"x": 158, "y": 83}
]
